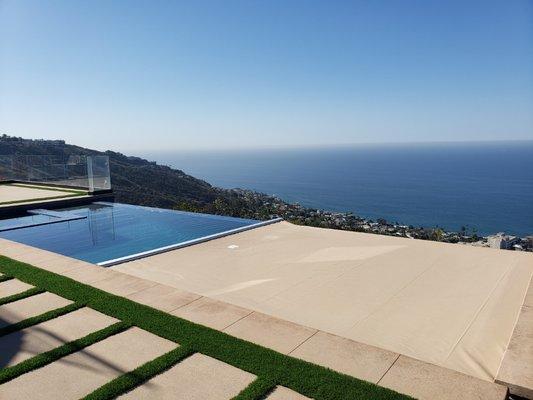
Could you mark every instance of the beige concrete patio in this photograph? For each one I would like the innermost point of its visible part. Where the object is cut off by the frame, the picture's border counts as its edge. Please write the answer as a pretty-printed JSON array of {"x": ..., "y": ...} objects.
[
  {"x": 449, "y": 305},
  {"x": 10, "y": 193},
  {"x": 418, "y": 379}
]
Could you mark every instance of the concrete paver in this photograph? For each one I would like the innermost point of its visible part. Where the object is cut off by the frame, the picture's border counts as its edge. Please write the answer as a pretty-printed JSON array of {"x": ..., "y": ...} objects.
[
  {"x": 196, "y": 378},
  {"x": 12, "y": 249},
  {"x": 122, "y": 284},
  {"x": 362, "y": 361},
  {"x": 282, "y": 393},
  {"x": 277, "y": 334},
  {"x": 40, "y": 258},
  {"x": 212, "y": 313},
  {"x": 13, "y": 286},
  {"x": 22, "y": 345},
  {"x": 17, "y": 311},
  {"x": 81, "y": 373},
  {"x": 89, "y": 274},
  {"x": 426, "y": 381},
  {"x": 516, "y": 370},
  {"x": 58, "y": 263},
  {"x": 164, "y": 298}
]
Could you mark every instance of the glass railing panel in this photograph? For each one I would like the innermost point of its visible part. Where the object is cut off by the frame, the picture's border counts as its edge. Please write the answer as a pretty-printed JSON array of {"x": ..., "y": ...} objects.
[{"x": 80, "y": 171}]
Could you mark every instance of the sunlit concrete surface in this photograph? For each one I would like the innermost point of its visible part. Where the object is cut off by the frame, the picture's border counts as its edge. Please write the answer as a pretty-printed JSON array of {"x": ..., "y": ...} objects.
[
  {"x": 14, "y": 193},
  {"x": 198, "y": 377},
  {"x": 449, "y": 305},
  {"x": 82, "y": 372}
]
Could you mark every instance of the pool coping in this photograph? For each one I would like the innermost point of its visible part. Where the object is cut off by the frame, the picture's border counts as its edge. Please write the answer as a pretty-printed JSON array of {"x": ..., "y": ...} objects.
[{"x": 187, "y": 243}]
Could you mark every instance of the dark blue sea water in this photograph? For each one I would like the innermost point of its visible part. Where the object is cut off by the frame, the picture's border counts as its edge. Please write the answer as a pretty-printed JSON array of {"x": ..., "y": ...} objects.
[{"x": 486, "y": 186}]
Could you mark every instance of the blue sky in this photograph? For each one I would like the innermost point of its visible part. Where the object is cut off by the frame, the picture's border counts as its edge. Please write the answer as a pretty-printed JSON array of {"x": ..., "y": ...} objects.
[{"x": 130, "y": 76}]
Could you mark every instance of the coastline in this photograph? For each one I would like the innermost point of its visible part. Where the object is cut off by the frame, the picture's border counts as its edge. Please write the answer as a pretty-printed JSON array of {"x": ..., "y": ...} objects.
[
  {"x": 349, "y": 221},
  {"x": 481, "y": 185}
]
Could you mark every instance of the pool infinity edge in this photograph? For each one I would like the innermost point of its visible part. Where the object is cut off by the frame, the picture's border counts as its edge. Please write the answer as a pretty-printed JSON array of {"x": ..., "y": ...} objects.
[{"x": 164, "y": 249}]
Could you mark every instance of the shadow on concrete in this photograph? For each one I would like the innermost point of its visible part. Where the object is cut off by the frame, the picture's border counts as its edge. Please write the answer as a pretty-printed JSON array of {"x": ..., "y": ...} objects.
[
  {"x": 10, "y": 345},
  {"x": 22, "y": 345}
]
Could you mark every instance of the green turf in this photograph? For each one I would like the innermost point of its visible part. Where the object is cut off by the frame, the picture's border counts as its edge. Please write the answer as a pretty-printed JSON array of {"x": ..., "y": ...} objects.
[
  {"x": 132, "y": 379},
  {"x": 6, "y": 330},
  {"x": 257, "y": 390},
  {"x": 43, "y": 359},
  {"x": 20, "y": 296},
  {"x": 270, "y": 366},
  {"x": 5, "y": 278}
]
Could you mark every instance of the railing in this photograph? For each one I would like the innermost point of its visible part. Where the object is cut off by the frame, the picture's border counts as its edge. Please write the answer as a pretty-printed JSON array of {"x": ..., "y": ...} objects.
[{"x": 87, "y": 172}]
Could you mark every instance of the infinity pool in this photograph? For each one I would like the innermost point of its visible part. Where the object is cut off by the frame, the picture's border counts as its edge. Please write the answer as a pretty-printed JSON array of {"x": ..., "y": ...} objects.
[{"x": 110, "y": 233}]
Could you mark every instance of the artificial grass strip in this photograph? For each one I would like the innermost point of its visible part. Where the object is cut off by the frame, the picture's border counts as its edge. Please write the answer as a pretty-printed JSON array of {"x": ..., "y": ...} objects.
[
  {"x": 6, "y": 330},
  {"x": 4, "y": 278},
  {"x": 311, "y": 380},
  {"x": 130, "y": 380},
  {"x": 20, "y": 296},
  {"x": 257, "y": 390},
  {"x": 48, "y": 357}
]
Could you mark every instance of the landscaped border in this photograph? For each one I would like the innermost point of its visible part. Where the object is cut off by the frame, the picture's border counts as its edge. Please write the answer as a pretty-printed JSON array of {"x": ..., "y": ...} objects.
[{"x": 270, "y": 367}]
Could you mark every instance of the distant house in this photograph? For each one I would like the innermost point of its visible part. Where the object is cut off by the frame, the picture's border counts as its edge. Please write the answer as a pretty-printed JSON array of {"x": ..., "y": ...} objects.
[
  {"x": 502, "y": 241},
  {"x": 529, "y": 241}
]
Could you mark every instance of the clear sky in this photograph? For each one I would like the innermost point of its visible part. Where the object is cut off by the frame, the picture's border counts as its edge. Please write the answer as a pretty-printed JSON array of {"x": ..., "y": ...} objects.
[{"x": 130, "y": 75}]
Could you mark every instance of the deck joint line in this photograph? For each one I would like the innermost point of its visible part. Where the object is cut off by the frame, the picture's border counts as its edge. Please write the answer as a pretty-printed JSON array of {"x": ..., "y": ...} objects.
[
  {"x": 297, "y": 347},
  {"x": 388, "y": 369},
  {"x": 240, "y": 319}
]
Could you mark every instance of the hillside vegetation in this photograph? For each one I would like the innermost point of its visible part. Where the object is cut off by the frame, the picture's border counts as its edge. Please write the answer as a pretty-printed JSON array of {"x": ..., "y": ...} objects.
[{"x": 143, "y": 182}]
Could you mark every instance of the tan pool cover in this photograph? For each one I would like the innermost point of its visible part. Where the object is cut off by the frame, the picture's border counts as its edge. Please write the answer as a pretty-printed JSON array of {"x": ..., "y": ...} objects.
[{"x": 451, "y": 305}]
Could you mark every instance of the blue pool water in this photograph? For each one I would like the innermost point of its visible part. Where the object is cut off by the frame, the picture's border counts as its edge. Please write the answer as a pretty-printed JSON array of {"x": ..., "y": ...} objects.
[{"x": 107, "y": 231}]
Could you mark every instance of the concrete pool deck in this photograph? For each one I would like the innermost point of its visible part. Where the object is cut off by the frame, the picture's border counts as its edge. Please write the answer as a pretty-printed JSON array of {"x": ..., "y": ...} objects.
[
  {"x": 395, "y": 371},
  {"x": 453, "y": 306},
  {"x": 387, "y": 368}
]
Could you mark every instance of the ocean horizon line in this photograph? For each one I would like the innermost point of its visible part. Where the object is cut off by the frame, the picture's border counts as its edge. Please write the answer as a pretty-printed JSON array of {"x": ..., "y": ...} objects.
[{"x": 334, "y": 146}]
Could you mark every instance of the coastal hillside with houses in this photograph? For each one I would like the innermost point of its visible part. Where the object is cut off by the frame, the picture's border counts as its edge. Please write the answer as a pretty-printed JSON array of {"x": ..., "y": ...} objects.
[{"x": 171, "y": 188}]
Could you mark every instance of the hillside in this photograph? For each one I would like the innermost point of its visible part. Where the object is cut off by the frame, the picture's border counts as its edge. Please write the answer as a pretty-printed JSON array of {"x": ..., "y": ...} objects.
[{"x": 142, "y": 182}]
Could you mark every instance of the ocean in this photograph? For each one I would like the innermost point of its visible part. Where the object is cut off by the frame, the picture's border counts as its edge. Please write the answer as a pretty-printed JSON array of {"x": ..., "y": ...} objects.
[{"x": 483, "y": 186}]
